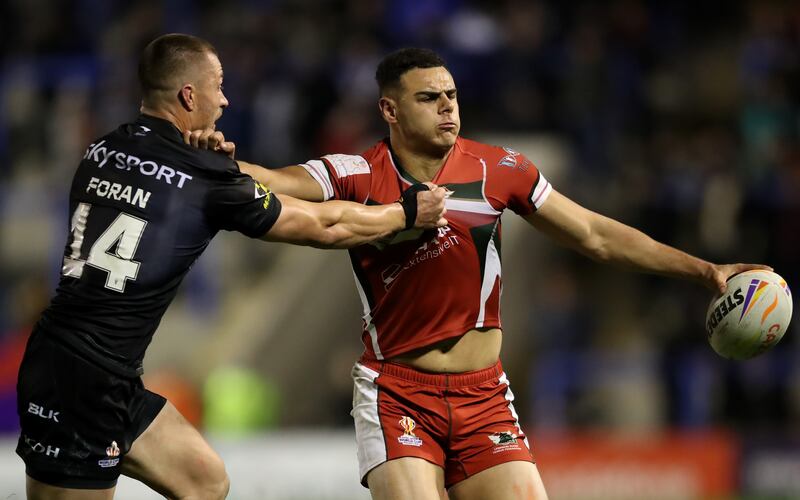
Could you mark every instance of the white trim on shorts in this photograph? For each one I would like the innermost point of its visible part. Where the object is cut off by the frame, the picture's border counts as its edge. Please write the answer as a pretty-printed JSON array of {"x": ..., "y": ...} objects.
[
  {"x": 510, "y": 398},
  {"x": 369, "y": 433}
]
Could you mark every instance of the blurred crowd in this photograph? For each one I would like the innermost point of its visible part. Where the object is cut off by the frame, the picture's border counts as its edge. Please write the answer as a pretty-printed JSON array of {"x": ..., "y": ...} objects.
[{"x": 681, "y": 119}]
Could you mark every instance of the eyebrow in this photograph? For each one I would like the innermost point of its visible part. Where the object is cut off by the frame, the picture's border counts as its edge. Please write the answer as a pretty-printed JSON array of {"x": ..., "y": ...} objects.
[{"x": 433, "y": 93}]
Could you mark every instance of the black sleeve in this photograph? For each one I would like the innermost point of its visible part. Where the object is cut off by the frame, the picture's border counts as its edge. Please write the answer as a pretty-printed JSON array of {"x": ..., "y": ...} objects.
[{"x": 239, "y": 203}]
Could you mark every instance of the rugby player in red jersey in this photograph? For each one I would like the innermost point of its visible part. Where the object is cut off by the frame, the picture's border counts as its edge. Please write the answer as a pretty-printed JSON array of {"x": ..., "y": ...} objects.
[{"x": 432, "y": 407}]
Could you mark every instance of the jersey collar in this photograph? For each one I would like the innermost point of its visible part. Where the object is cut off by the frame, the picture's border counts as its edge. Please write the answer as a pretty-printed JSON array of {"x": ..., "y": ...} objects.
[
  {"x": 404, "y": 174},
  {"x": 396, "y": 162},
  {"x": 161, "y": 127}
]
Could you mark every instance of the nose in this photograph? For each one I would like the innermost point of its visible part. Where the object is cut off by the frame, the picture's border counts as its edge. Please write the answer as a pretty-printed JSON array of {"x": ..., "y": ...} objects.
[
  {"x": 224, "y": 102},
  {"x": 445, "y": 104}
]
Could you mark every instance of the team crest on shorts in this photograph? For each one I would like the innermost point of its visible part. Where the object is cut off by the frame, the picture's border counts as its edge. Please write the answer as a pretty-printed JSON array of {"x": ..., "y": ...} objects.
[
  {"x": 504, "y": 441},
  {"x": 113, "y": 453},
  {"x": 408, "y": 438}
]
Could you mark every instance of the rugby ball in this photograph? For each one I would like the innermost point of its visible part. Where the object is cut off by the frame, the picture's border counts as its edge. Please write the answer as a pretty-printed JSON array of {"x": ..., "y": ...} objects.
[{"x": 751, "y": 316}]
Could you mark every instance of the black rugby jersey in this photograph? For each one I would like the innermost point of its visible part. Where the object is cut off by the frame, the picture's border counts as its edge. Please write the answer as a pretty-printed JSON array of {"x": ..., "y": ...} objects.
[{"x": 143, "y": 207}]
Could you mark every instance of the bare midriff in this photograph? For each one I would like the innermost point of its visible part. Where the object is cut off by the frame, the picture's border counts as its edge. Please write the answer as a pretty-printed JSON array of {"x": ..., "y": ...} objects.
[{"x": 475, "y": 350}]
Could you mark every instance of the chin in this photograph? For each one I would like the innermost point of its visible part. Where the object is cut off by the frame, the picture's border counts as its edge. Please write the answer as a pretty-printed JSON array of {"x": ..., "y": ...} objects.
[
  {"x": 440, "y": 146},
  {"x": 447, "y": 140}
]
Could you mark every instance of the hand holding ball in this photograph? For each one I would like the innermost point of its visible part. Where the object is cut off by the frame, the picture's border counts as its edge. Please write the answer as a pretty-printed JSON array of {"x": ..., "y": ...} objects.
[{"x": 751, "y": 316}]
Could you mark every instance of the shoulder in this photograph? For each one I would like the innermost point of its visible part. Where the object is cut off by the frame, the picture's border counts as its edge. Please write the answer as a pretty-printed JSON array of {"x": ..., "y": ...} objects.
[
  {"x": 345, "y": 165},
  {"x": 502, "y": 158},
  {"x": 377, "y": 150},
  {"x": 489, "y": 152},
  {"x": 209, "y": 163},
  {"x": 161, "y": 146},
  {"x": 210, "y": 160}
]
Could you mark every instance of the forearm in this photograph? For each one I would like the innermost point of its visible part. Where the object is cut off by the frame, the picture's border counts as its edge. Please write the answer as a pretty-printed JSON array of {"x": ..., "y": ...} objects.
[
  {"x": 623, "y": 246},
  {"x": 349, "y": 224},
  {"x": 334, "y": 224},
  {"x": 293, "y": 180},
  {"x": 605, "y": 240}
]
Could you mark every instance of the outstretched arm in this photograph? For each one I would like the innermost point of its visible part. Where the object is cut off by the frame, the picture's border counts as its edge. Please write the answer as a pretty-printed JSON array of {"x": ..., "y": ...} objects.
[
  {"x": 606, "y": 240},
  {"x": 293, "y": 180},
  {"x": 343, "y": 224},
  {"x": 332, "y": 224}
]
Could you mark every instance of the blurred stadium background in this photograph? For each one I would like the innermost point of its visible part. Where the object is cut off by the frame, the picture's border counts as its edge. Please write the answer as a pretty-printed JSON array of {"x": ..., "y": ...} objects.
[{"x": 679, "y": 118}]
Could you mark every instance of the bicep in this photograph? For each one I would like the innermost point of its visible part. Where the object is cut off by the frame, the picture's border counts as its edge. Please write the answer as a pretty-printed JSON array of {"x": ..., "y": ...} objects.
[
  {"x": 294, "y": 180},
  {"x": 565, "y": 221}
]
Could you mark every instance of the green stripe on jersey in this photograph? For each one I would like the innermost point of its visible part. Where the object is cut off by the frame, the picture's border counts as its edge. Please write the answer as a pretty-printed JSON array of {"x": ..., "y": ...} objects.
[
  {"x": 481, "y": 236},
  {"x": 468, "y": 191}
]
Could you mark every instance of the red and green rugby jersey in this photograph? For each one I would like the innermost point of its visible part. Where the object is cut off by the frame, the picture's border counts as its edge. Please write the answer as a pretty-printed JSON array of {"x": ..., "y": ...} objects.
[{"x": 420, "y": 287}]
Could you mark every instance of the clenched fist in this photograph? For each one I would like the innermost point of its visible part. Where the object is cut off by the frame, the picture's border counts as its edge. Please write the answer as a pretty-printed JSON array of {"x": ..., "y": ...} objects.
[
  {"x": 210, "y": 139},
  {"x": 430, "y": 207}
]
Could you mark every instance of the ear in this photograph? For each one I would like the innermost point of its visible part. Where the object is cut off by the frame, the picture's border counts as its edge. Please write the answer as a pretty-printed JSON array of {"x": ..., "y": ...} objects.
[
  {"x": 186, "y": 97},
  {"x": 388, "y": 109}
]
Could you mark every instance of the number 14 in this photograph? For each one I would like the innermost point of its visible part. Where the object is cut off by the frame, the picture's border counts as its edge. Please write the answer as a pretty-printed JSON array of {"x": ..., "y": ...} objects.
[{"x": 112, "y": 252}]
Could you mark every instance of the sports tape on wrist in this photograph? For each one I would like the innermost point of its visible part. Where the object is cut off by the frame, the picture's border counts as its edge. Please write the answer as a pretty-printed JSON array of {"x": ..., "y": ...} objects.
[{"x": 408, "y": 200}]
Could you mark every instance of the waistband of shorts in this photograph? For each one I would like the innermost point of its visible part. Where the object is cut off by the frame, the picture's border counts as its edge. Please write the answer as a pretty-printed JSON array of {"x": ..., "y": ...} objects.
[
  {"x": 76, "y": 345},
  {"x": 463, "y": 379}
]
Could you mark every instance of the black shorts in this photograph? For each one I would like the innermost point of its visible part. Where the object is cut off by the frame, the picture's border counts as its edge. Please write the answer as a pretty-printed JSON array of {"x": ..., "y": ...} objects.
[{"x": 78, "y": 420}]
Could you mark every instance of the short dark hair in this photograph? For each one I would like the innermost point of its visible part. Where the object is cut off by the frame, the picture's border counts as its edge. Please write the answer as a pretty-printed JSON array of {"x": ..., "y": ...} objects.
[
  {"x": 396, "y": 64},
  {"x": 169, "y": 56}
]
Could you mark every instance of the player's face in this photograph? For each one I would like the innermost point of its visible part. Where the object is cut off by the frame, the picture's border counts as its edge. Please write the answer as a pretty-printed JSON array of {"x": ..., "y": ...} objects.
[
  {"x": 427, "y": 108},
  {"x": 210, "y": 99}
]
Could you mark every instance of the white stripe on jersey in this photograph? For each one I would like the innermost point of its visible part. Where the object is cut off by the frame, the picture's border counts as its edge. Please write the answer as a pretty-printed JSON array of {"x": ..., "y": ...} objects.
[
  {"x": 483, "y": 182},
  {"x": 367, "y": 317},
  {"x": 476, "y": 207},
  {"x": 510, "y": 398},
  {"x": 320, "y": 174},
  {"x": 492, "y": 268},
  {"x": 373, "y": 335},
  {"x": 370, "y": 440},
  {"x": 541, "y": 191},
  {"x": 491, "y": 272},
  {"x": 473, "y": 206}
]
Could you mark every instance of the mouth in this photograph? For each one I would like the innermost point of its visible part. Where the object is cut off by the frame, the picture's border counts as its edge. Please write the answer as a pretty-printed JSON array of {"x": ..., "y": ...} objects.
[{"x": 447, "y": 126}]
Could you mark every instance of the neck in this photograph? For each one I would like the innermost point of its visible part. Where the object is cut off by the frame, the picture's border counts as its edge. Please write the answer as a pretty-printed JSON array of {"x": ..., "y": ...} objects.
[
  {"x": 422, "y": 165},
  {"x": 165, "y": 113}
]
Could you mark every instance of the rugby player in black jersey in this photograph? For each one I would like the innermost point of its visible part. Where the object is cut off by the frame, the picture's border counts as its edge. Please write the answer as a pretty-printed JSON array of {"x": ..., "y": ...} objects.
[{"x": 143, "y": 207}]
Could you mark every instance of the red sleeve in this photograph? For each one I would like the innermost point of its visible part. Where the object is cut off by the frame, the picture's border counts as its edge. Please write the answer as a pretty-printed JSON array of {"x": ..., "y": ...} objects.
[
  {"x": 514, "y": 182},
  {"x": 342, "y": 177}
]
